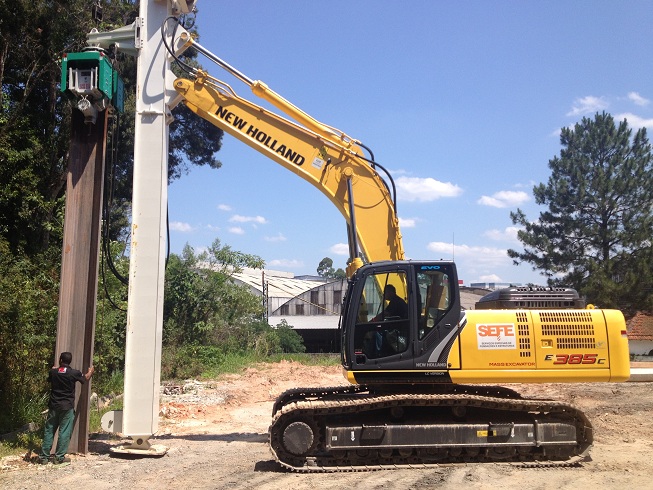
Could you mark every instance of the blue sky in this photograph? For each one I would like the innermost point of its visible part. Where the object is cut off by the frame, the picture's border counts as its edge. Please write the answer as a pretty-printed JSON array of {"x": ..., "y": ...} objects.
[{"x": 462, "y": 101}]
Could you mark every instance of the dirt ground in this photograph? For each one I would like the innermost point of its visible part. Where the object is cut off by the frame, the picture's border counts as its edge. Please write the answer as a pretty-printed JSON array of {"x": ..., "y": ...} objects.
[{"x": 216, "y": 433}]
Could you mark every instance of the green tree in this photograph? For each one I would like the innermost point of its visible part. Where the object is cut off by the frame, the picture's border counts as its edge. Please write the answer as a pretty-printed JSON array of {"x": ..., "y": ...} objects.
[
  {"x": 111, "y": 318},
  {"x": 596, "y": 234},
  {"x": 35, "y": 119},
  {"x": 207, "y": 315},
  {"x": 33, "y": 140},
  {"x": 202, "y": 304},
  {"x": 34, "y": 143},
  {"x": 325, "y": 269},
  {"x": 28, "y": 317},
  {"x": 289, "y": 340}
]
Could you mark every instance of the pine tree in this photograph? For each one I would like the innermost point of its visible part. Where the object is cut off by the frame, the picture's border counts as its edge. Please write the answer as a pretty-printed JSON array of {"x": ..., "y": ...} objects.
[{"x": 596, "y": 234}]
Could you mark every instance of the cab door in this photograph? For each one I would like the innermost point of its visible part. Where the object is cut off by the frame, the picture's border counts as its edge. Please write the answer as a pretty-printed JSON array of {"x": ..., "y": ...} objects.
[
  {"x": 439, "y": 316},
  {"x": 382, "y": 318}
]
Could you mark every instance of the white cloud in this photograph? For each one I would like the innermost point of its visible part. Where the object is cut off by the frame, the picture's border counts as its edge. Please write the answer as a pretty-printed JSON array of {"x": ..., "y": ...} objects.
[
  {"x": 441, "y": 249},
  {"x": 277, "y": 238},
  {"x": 237, "y": 218},
  {"x": 638, "y": 99},
  {"x": 182, "y": 227},
  {"x": 424, "y": 189},
  {"x": 408, "y": 222},
  {"x": 483, "y": 256},
  {"x": 212, "y": 228},
  {"x": 224, "y": 207},
  {"x": 339, "y": 249},
  {"x": 504, "y": 199},
  {"x": 490, "y": 278},
  {"x": 634, "y": 121},
  {"x": 530, "y": 183},
  {"x": 588, "y": 105},
  {"x": 289, "y": 263},
  {"x": 508, "y": 234},
  {"x": 236, "y": 230}
]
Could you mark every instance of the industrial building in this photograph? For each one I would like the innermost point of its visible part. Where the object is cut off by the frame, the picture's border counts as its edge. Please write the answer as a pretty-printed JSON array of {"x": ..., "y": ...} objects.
[{"x": 311, "y": 304}]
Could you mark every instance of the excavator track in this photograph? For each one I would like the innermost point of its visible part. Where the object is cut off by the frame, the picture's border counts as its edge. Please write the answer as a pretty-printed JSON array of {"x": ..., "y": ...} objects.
[{"x": 353, "y": 429}]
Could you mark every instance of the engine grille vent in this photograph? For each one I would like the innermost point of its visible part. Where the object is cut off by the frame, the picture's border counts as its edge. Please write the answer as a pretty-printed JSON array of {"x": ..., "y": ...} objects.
[
  {"x": 572, "y": 329},
  {"x": 523, "y": 329},
  {"x": 575, "y": 343}
]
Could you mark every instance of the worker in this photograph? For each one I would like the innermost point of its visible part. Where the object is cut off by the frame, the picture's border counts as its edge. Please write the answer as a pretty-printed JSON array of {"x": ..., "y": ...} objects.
[
  {"x": 396, "y": 307},
  {"x": 61, "y": 414}
]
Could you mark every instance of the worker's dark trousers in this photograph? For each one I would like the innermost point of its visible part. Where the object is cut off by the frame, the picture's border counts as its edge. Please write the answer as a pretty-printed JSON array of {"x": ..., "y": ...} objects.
[{"x": 64, "y": 421}]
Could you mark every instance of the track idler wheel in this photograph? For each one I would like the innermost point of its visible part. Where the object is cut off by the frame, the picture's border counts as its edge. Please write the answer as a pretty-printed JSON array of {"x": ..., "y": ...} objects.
[{"x": 298, "y": 438}]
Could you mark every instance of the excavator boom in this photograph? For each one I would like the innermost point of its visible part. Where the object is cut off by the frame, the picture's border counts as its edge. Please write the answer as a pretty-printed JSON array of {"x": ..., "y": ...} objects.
[{"x": 323, "y": 156}]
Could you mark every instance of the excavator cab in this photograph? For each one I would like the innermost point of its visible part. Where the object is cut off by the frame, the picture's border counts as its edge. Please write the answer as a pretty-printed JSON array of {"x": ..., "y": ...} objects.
[{"x": 399, "y": 316}]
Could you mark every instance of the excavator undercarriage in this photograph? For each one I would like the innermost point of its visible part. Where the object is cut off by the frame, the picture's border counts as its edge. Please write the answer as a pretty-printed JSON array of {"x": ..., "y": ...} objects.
[{"x": 354, "y": 428}]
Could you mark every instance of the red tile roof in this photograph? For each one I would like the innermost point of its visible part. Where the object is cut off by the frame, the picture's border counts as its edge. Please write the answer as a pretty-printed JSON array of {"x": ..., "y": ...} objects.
[{"x": 640, "y": 327}]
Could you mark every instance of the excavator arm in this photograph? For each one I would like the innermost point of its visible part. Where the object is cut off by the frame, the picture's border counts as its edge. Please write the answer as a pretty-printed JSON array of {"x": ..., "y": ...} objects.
[{"x": 321, "y": 155}]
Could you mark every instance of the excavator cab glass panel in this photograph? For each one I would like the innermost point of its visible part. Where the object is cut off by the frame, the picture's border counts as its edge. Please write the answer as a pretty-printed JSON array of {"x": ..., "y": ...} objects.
[
  {"x": 382, "y": 327},
  {"x": 435, "y": 297}
]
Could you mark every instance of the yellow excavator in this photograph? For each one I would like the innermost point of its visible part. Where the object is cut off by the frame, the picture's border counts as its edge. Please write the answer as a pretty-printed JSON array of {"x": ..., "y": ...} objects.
[{"x": 426, "y": 376}]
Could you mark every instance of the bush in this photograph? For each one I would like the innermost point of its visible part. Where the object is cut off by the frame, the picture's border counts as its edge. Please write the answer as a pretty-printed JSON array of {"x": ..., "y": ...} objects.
[
  {"x": 109, "y": 384},
  {"x": 28, "y": 316},
  {"x": 289, "y": 340}
]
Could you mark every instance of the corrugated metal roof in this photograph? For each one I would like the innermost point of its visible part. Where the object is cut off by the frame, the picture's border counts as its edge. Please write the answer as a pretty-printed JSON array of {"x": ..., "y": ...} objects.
[
  {"x": 640, "y": 327},
  {"x": 278, "y": 286}
]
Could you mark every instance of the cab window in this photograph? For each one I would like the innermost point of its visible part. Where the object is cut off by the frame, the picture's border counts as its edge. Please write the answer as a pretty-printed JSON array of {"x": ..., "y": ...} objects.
[
  {"x": 435, "y": 300},
  {"x": 383, "y": 316}
]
